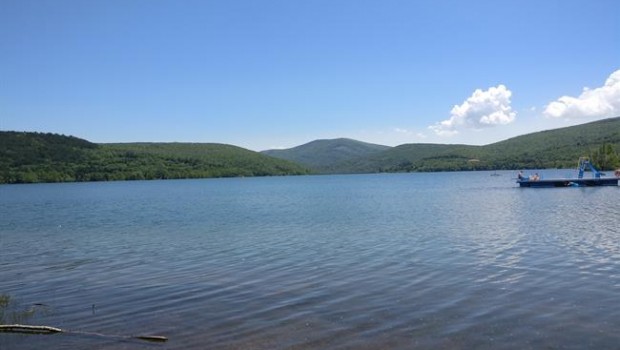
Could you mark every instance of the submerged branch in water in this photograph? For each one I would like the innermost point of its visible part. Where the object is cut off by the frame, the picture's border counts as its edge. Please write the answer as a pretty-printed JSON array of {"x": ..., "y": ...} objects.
[{"x": 22, "y": 328}]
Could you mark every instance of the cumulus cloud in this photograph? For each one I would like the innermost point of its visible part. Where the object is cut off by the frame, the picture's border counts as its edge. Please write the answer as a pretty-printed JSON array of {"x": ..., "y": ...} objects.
[
  {"x": 482, "y": 109},
  {"x": 592, "y": 103}
]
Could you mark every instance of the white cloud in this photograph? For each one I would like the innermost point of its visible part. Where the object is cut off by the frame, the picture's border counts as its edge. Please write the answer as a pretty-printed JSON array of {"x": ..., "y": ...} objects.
[
  {"x": 482, "y": 109},
  {"x": 592, "y": 103}
]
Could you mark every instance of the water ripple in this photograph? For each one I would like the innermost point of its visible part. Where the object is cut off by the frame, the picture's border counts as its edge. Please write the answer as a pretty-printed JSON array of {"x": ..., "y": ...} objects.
[{"x": 442, "y": 261}]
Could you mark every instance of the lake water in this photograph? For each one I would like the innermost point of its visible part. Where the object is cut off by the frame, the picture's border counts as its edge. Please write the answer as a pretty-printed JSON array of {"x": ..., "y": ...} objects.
[{"x": 391, "y": 261}]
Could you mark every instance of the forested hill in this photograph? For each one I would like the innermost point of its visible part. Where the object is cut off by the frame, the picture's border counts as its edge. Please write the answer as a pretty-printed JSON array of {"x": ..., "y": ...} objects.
[
  {"x": 557, "y": 148},
  {"x": 38, "y": 157},
  {"x": 323, "y": 155},
  {"x": 27, "y": 157}
]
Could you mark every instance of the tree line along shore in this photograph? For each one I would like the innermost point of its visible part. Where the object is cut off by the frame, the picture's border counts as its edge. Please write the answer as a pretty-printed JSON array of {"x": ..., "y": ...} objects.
[{"x": 31, "y": 157}]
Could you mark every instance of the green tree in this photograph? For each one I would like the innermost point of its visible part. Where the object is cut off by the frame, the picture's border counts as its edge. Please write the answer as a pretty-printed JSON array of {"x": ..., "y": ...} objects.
[{"x": 606, "y": 158}]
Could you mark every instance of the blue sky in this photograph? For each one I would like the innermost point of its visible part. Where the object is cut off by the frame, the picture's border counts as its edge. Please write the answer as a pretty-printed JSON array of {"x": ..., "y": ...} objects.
[{"x": 272, "y": 74}]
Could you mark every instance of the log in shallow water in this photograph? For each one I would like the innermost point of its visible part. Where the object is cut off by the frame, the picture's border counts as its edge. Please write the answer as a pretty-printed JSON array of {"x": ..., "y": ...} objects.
[{"x": 22, "y": 328}]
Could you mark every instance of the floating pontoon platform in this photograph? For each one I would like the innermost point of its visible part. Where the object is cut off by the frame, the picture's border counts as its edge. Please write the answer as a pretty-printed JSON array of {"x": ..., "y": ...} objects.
[
  {"x": 568, "y": 182},
  {"x": 596, "y": 180}
]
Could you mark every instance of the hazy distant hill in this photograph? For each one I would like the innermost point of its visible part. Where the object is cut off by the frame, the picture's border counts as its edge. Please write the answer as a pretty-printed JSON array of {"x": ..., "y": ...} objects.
[
  {"x": 324, "y": 155},
  {"x": 38, "y": 157},
  {"x": 558, "y": 148}
]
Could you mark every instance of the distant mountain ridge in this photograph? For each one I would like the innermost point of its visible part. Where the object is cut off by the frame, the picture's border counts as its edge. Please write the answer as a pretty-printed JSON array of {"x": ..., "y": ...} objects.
[
  {"x": 27, "y": 157},
  {"x": 556, "y": 148},
  {"x": 324, "y": 155}
]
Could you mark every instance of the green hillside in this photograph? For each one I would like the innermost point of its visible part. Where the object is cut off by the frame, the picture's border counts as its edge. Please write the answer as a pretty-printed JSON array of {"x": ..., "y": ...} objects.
[
  {"x": 324, "y": 155},
  {"x": 558, "y": 148},
  {"x": 38, "y": 157},
  {"x": 416, "y": 157},
  {"x": 42, "y": 157}
]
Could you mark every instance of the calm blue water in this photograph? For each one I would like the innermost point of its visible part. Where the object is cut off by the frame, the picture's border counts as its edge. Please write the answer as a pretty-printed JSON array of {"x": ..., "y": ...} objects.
[{"x": 399, "y": 261}]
